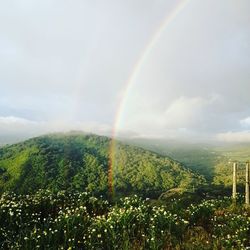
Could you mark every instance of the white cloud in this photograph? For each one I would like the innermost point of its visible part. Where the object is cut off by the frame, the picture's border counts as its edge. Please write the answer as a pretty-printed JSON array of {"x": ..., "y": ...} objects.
[
  {"x": 245, "y": 123},
  {"x": 184, "y": 112},
  {"x": 240, "y": 136},
  {"x": 185, "y": 116},
  {"x": 17, "y": 125},
  {"x": 12, "y": 120},
  {"x": 21, "y": 127}
]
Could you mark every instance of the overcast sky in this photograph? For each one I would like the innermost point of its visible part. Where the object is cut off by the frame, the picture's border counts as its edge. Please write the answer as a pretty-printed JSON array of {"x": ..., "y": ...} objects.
[{"x": 65, "y": 64}]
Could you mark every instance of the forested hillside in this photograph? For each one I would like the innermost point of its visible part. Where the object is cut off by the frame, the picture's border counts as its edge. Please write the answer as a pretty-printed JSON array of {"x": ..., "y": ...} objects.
[
  {"x": 80, "y": 162},
  {"x": 214, "y": 162}
]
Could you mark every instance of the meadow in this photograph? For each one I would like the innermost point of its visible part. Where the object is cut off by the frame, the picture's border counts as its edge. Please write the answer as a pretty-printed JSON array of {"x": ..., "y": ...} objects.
[{"x": 66, "y": 220}]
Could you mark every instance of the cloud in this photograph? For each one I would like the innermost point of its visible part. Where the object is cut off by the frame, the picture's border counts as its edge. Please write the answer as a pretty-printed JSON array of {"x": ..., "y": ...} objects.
[
  {"x": 21, "y": 127},
  {"x": 18, "y": 125},
  {"x": 185, "y": 116},
  {"x": 81, "y": 53},
  {"x": 240, "y": 136},
  {"x": 12, "y": 120},
  {"x": 188, "y": 112},
  {"x": 63, "y": 66},
  {"x": 245, "y": 123}
]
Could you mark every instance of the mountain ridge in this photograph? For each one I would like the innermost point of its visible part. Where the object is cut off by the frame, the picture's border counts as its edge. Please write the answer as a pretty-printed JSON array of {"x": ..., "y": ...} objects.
[{"x": 80, "y": 161}]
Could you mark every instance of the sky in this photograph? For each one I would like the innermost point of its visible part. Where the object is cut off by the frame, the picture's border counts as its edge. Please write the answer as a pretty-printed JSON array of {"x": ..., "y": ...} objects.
[{"x": 135, "y": 68}]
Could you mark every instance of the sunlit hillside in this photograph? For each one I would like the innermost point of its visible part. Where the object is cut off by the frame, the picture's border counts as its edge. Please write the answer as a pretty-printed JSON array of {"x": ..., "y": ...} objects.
[{"x": 81, "y": 162}]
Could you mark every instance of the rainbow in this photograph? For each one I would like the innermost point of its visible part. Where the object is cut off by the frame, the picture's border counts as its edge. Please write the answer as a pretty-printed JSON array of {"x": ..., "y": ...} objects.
[{"x": 131, "y": 80}]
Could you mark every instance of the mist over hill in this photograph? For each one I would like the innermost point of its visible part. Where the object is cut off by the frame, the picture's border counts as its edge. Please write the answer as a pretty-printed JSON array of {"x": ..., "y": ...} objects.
[
  {"x": 79, "y": 161},
  {"x": 212, "y": 160}
]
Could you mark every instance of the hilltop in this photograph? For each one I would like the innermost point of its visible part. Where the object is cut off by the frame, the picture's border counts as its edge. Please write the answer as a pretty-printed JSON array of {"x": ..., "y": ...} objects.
[{"x": 78, "y": 161}]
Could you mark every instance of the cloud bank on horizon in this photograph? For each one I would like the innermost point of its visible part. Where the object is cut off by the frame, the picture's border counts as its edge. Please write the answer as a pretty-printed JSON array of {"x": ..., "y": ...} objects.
[{"x": 65, "y": 66}]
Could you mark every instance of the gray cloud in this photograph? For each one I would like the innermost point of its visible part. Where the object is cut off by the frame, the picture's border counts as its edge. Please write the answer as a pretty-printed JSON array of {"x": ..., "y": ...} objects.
[
  {"x": 64, "y": 65},
  {"x": 197, "y": 77}
]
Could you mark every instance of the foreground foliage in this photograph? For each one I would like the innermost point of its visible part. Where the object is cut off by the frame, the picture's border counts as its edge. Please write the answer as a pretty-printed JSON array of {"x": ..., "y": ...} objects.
[{"x": 64, "y": 220}]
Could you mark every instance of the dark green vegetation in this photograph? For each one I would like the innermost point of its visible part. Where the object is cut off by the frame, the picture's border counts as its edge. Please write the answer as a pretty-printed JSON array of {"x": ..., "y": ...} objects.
[
  {"x": 67, "y": 220},
  {"x": 214, "y": 162},
  {"x": 80, "y": 162}
]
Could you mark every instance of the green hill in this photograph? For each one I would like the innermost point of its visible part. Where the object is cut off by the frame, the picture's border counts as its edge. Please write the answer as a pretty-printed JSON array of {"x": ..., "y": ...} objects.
[
  {"x": 213, "y": 161},
  {"x": 78, "y": 161}
]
